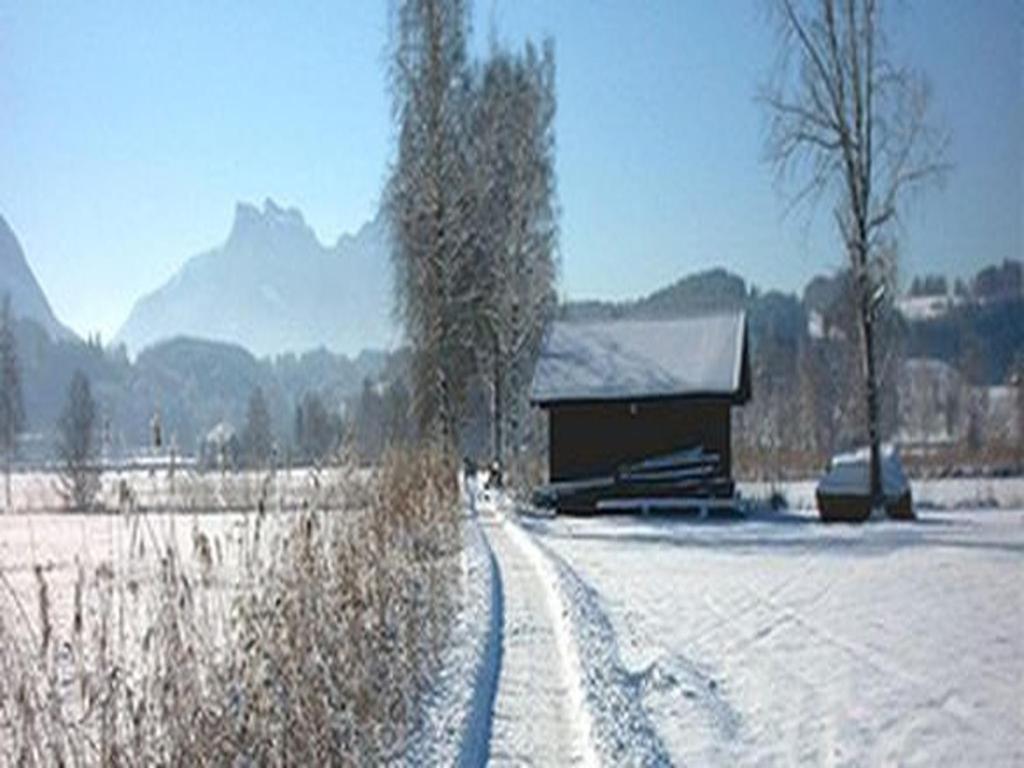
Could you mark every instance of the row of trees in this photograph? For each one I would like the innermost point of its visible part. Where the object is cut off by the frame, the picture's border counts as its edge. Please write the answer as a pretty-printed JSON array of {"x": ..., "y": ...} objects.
[
  {"x": 471, "y": 198},
  {"x": 370, "y": 423},
  {"x": 809, "y": 400}
]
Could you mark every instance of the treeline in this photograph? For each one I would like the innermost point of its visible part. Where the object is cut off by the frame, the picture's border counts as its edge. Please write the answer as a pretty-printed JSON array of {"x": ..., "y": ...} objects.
[
  {"x": 362, "y": 428},
  {"x": 471, "y": 199},
  {"x": 993, "y": 283},
  {"x": 193, "y": 385}
]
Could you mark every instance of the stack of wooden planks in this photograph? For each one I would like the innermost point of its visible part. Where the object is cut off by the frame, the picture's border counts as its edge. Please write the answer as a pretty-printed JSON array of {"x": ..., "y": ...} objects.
[{"x": 686, "y": 479}]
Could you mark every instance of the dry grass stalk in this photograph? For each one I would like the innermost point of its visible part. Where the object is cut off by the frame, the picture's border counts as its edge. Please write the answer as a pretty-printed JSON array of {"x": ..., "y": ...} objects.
[{"x": 314, "y": 645}]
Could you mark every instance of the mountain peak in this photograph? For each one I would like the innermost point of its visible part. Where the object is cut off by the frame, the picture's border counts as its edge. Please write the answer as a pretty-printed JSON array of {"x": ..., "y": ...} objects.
[
  {"x": 17, "y": 280},
  {"x": 273, "y": 287},
  {"x": 274, "y": 213},
  {"x": 252, "y": 223}
]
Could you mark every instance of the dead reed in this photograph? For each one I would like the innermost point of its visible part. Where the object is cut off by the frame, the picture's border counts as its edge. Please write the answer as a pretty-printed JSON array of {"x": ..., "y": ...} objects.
[{"x": 302, "y": 638}]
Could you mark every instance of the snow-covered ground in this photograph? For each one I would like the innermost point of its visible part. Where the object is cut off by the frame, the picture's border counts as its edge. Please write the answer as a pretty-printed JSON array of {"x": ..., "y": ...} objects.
[
  {"x": 60, "y": 544},
  {"x": 185, "y": 489},
  {"x": 456, "y": 723},
  {"x": 765, "y": 639},
  {"x": 779, "y": 640}
]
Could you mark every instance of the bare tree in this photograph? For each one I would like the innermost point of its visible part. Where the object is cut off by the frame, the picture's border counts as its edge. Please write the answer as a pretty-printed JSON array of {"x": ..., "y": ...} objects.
[
  {"x": 79, "y": 478},
  {"x": 853, "y": 124},
  {"x": 12, "y": 408},
  {"x": 429, "y": 201},
  {"x": 515, "y": 228}
]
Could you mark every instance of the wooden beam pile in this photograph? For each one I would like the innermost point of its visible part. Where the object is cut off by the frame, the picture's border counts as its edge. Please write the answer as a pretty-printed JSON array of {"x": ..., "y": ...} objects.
[{"x": 685, "y": 479}]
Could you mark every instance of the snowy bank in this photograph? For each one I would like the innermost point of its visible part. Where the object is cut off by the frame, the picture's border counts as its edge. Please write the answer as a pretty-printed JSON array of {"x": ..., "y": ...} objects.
[{"x": 457, "y": 719}]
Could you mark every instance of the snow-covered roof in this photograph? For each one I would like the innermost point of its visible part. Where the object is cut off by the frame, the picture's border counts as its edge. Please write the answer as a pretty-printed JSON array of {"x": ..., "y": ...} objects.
[{"x": 642, "y": 359}]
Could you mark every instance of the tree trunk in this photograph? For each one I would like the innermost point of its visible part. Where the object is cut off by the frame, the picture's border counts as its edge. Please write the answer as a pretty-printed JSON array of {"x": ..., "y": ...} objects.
[
  {"x": 497, "y": 414},
  {"x": 871, "y": 400},
  {"x": 7, "y": 481}
]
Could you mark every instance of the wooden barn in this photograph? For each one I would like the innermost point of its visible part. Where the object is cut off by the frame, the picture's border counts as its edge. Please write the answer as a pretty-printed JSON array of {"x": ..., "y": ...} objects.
[{"x": 639, "y": 412}]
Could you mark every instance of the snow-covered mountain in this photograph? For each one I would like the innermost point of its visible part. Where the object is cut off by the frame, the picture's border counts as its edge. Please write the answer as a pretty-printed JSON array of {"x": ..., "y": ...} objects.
[
  {"x": 273, "y": 287},
  {"x": 16, "y": 278}
]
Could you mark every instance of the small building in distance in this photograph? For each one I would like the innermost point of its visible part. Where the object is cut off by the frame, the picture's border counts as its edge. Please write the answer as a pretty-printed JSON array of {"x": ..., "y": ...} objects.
[{"x": 621, "y": 393}]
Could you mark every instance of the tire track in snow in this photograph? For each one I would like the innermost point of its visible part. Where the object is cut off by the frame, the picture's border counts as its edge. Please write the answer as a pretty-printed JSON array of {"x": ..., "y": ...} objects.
[
  {"x": 622, "y": 730},
  {"x": 539, "y": 714}
]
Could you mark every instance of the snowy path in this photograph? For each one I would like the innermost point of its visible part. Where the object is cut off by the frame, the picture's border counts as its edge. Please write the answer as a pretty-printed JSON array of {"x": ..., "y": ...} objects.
[{"x": 539, "y": 716}]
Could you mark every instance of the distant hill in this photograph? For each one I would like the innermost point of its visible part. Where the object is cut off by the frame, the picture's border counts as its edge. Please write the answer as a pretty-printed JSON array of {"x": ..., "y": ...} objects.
[
  {"x": 272, "y": 287},
  {"x": 715, "y": 290},
  {"x": 778, "y": 315},
  {"x": 979, "y": 330},
  {"x": 195, "y": 384},
  {"x": 27, "y": 298}
]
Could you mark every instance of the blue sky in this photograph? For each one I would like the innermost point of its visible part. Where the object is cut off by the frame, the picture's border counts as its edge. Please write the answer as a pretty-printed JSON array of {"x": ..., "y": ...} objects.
[{"x": 129, "y": 130}]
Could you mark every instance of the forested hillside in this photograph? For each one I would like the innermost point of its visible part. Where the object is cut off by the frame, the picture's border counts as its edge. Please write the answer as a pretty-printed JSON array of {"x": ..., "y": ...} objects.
[{"x": 193, "y": 385}]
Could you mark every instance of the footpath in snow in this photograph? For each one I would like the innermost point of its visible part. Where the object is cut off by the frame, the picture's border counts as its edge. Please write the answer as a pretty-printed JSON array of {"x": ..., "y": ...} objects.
[{"x": 539, "y": 714}]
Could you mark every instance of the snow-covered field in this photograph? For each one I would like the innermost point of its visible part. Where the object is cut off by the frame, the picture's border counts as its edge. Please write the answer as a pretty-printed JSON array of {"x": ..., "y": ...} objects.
[
  {"x": 213, "y": 510},
  {"x": 778, "y": 640},
  {"x": 182, "y": 490},
  {"x": 764, "y": 639}
]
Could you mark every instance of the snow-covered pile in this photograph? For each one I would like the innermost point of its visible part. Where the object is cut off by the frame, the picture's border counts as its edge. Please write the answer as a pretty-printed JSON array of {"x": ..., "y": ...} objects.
[{"x": 850, "y": 475}]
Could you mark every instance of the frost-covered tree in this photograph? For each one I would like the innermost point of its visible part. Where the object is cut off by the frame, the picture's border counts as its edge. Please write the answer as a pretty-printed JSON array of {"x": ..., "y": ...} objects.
[
  {"x": 852, "y": 124},
  {"x": 12, "y": 407},
  {"x": 79, "y": 478},
  {"x": 429, "y": 201},
  {"x": 515, "y": 228},
  {"x": 471, "y": 199},
  {"x": 257, "y": 435}
]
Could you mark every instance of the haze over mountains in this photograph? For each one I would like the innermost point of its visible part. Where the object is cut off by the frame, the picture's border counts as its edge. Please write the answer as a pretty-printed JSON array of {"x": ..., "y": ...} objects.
[
  {"x": 273, "y": 272},
  {"x": 273, "y": 287},
  {"x": 17, "y": 280}
]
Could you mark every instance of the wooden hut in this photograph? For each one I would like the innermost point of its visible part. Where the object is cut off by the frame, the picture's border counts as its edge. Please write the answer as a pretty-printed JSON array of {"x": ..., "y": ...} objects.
[{"x": 620, "y": 395}]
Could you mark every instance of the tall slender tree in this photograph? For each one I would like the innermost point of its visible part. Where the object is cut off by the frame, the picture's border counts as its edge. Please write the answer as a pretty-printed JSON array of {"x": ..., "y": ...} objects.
[
  {"x": 429, "y": 202},
  {"x": 12, "y": 407},
  {"x": 79, "y": 479},
  {"x": 471, "y": 199},
  {"x": 515, "y": 227},
  {"x": 853, "y": 125}
]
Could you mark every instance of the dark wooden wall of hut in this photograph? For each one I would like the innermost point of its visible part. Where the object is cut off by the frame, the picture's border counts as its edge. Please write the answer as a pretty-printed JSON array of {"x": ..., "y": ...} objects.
[{"x": 589, "y": 439}]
